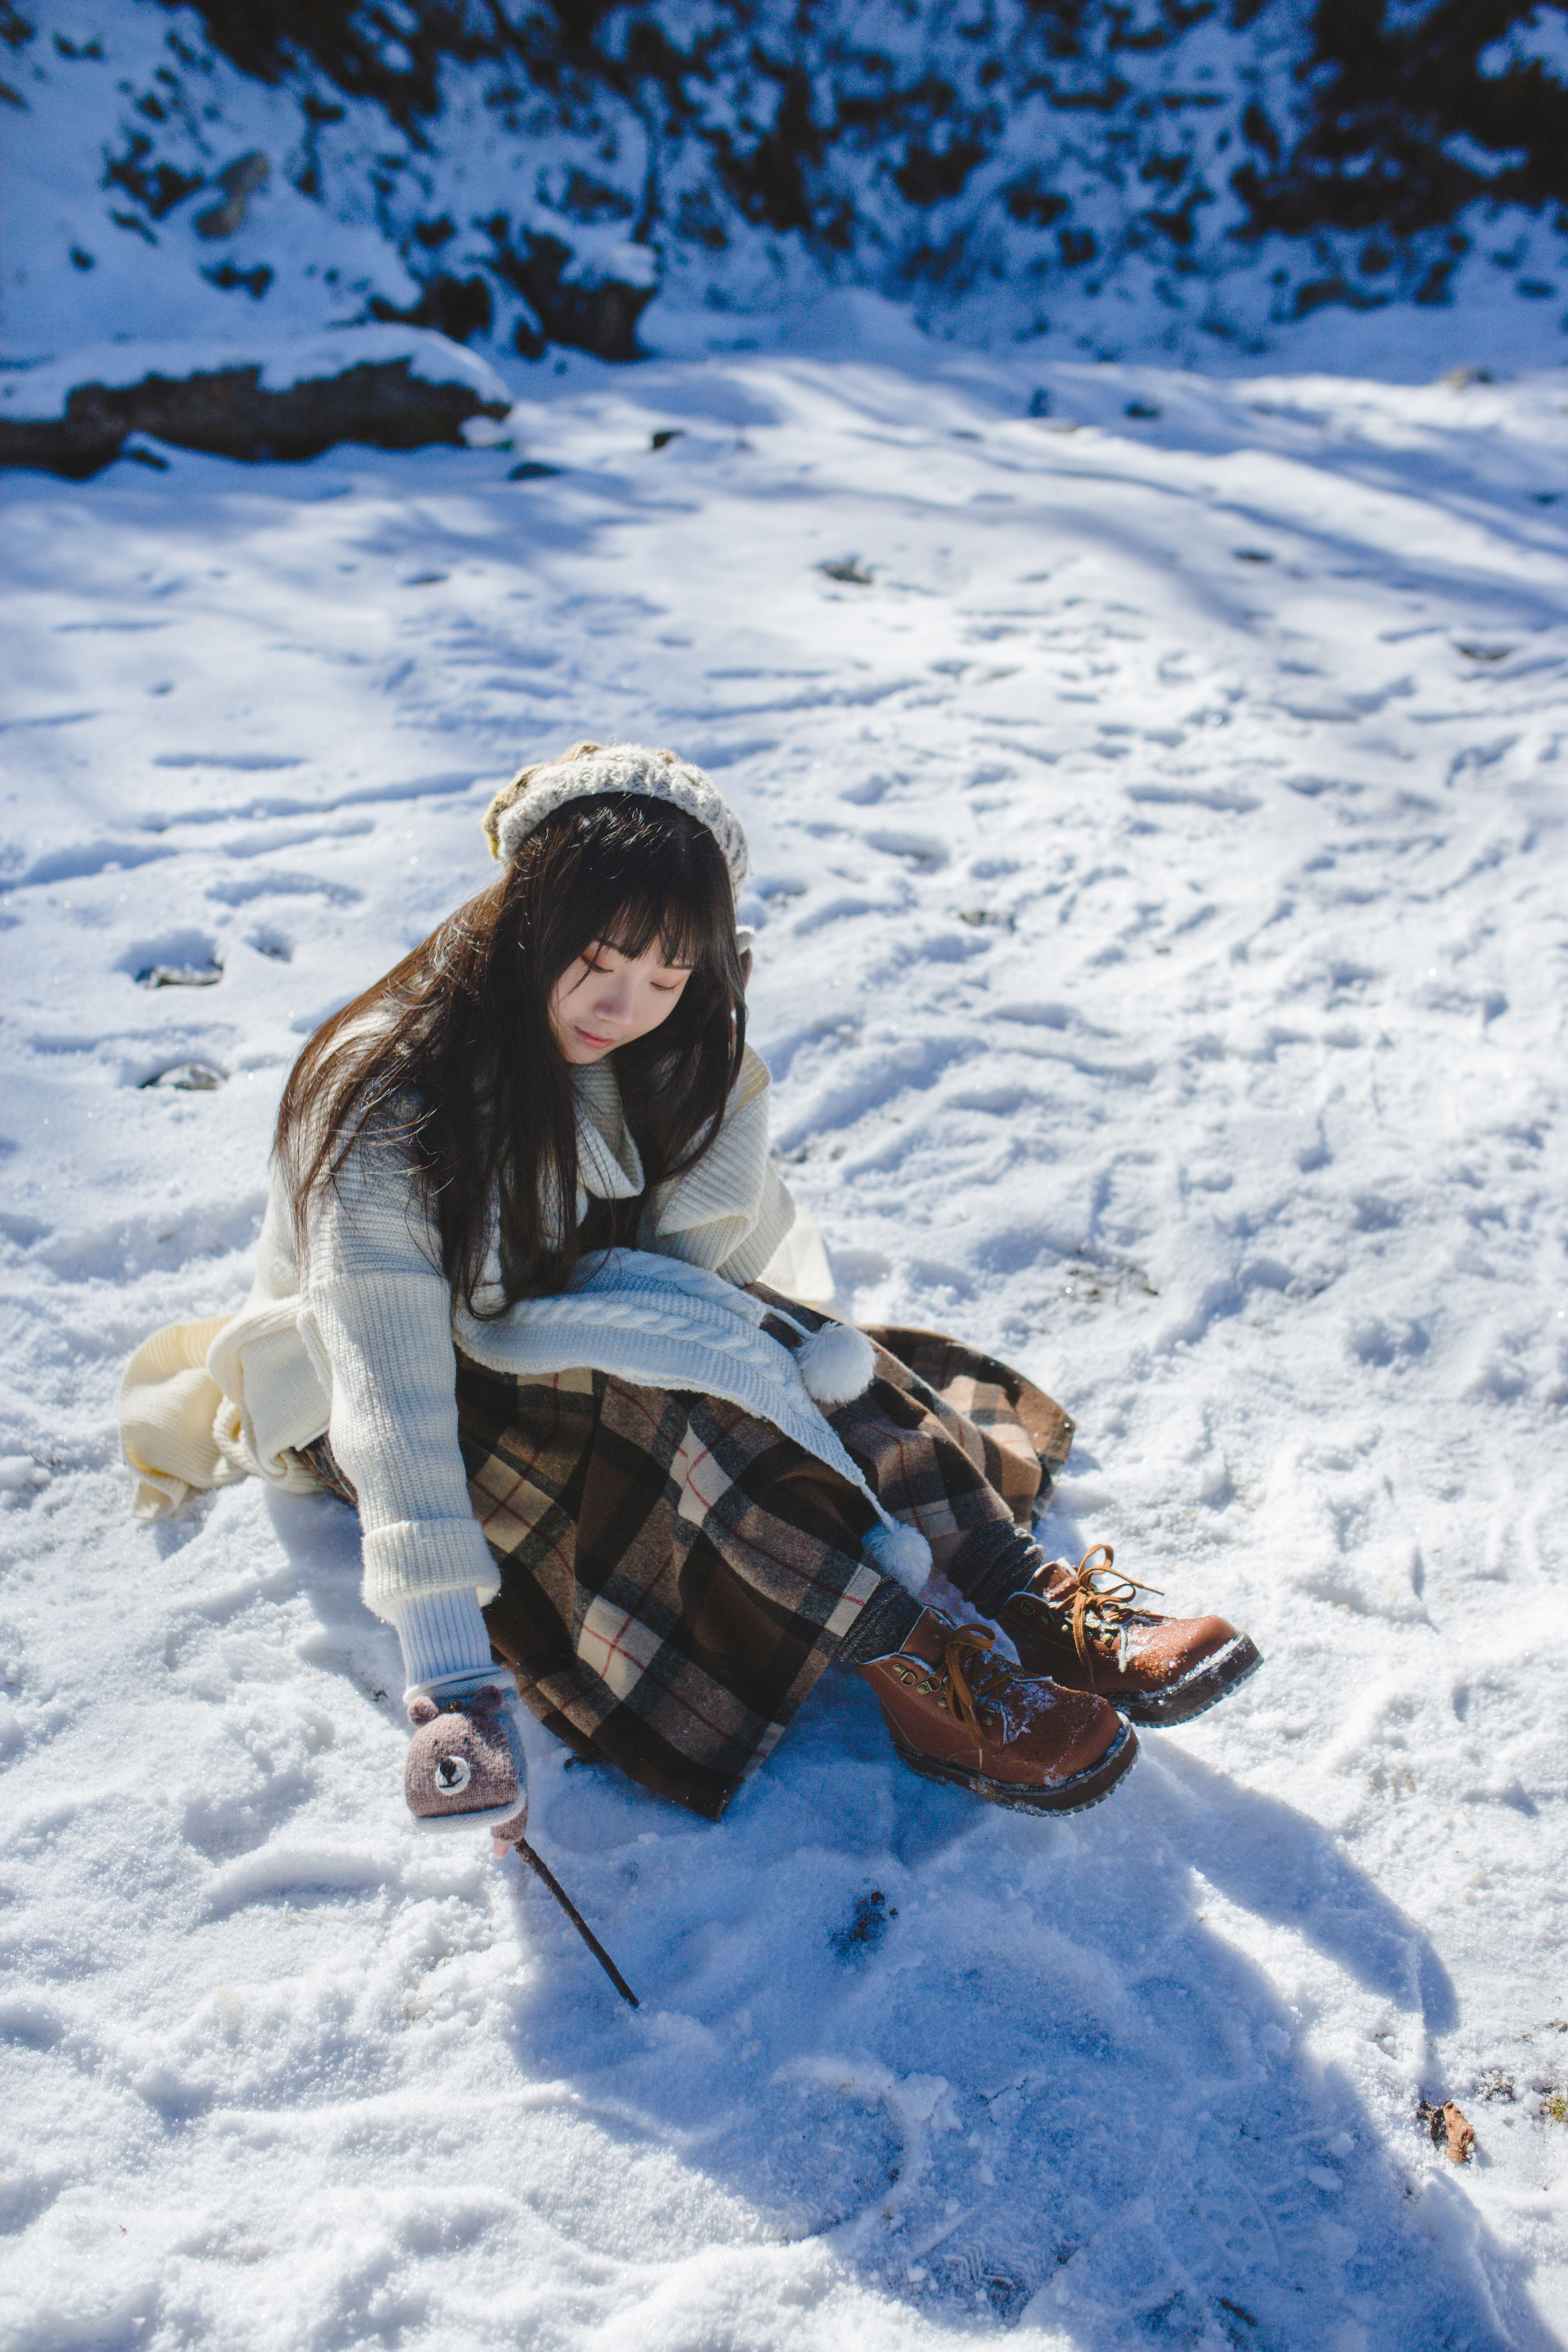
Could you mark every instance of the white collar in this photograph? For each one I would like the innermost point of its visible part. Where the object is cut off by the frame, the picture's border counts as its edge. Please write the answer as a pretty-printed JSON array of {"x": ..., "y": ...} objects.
[{"x": 608, "y": 1163}]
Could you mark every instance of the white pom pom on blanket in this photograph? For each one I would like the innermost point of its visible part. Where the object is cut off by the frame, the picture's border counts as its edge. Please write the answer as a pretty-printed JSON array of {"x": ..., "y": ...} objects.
[
  {"x": 835, "y": 1363},
  {"x": 903, "y": 1552}
]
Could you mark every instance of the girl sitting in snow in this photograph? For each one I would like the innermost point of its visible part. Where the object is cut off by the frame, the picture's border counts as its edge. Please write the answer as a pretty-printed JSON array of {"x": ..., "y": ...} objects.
[{"x": 512, "y": 1302}]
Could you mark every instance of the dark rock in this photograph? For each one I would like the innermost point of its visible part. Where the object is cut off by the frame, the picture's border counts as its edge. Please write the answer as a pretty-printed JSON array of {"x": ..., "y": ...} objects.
[
  {"x": 584, "y": 198},
  {"x": 1320, "y": 291},
  {"x": 1178, "y": 224},
  {"x": 239, "y": 181},
  {"x": 770, "y": 180},
  {"x": 158, "y": 187},
  {"x": 455, "y": 307},
  {"x": 228, "y": 413},
  {"x": 225, "y": 277},
  {"x": 928, "y": 175},
  {"x": 597, "y": 315},
  {"x": 1257, "y": 127},
  {"x": 1028, "y": 201}
]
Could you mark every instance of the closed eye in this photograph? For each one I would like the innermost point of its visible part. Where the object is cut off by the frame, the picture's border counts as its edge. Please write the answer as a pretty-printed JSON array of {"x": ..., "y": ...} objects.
[{"x": 662, "y": 987}]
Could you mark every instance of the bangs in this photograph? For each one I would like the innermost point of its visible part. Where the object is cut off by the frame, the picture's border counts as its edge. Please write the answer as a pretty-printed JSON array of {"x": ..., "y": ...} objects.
[
  {"x": 680, "y": 930},
  {"x": 638, "y": 874}
]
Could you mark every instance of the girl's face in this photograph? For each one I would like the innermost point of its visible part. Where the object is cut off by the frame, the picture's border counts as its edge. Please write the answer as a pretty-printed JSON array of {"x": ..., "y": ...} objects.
[{"x": 606, "y": 999}]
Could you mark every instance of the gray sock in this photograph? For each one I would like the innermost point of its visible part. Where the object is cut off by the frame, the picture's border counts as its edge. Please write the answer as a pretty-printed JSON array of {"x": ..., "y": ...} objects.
[
  {"x": 883, "y": 1625},
  {"x": 991, "y": 1563}
]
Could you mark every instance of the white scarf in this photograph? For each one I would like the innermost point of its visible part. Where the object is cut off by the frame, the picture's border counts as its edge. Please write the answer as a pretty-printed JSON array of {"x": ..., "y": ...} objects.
[{"x": 659, "y": 1323}]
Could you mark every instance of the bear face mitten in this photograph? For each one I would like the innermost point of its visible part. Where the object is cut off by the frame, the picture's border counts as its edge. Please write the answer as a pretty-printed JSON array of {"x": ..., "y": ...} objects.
[{"x": 465, "y": 1767}]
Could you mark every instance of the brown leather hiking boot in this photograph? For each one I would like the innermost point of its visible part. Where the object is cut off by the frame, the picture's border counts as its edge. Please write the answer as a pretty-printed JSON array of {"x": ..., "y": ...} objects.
[
  {"x": 1081, "y": 1625},
  {"x": 957, "y": 1714}
]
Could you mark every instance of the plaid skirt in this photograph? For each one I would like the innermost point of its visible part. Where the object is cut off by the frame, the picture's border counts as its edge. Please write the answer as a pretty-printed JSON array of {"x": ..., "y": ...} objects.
[{"x": 676, "y": 1573}]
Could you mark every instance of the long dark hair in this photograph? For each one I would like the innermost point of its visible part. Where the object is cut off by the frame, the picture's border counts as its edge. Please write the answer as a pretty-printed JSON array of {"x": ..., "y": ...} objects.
[{"x": 452, "y": 1060}]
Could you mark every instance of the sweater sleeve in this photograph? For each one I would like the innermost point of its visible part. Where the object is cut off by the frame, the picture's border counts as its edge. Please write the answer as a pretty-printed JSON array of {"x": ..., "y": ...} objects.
[{"x": 377, "y": 1318}]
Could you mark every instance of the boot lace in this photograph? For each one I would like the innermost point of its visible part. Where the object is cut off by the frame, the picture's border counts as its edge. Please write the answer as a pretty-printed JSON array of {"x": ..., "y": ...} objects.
[
  {"x": 1098, "y": 1609},
  {"x": 965, "y": 1649}
]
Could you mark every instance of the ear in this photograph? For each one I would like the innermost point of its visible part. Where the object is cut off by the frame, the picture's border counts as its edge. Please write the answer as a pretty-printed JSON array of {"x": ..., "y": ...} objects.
[{"x": 423, "y": 1710}]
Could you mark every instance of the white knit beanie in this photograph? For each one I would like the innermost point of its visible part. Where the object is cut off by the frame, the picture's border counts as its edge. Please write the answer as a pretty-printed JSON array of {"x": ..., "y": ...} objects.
[{"x": 537, "y": 793}]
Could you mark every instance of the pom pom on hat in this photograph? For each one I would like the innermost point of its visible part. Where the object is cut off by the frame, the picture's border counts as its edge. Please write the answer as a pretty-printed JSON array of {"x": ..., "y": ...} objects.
[{"x": 537, "y": 793}]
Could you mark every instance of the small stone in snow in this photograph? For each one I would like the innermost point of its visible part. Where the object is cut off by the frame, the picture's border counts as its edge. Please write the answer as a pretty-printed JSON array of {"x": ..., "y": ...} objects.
[
  {"x": 239, "y": 181},
  {"x": 179, "y": 975},
  {"x": 190, "y": 1077}
]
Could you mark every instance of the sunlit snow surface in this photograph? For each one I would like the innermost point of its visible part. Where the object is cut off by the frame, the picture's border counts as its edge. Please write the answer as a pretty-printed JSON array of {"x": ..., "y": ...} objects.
[{"x": 1159, "y": 866}]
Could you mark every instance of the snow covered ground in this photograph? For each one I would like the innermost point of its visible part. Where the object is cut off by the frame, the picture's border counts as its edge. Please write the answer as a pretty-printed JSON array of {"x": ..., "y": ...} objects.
[{"x": 1160, "y": 861}]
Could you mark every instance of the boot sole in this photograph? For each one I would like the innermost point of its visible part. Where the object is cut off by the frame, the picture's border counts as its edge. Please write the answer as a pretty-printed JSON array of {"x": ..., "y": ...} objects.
[
  {"x": 1071, "y": 1796},
  {"x": 1204, "y": 1688}
]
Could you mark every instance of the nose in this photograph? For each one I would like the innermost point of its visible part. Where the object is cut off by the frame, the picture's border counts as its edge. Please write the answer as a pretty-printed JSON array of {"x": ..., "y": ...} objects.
[{"x": 613, "y": 998}]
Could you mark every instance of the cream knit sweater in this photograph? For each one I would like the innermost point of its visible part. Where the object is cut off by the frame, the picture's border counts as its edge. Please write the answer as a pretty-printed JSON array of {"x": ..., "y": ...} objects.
[{"x": 359, "y": 1341}]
